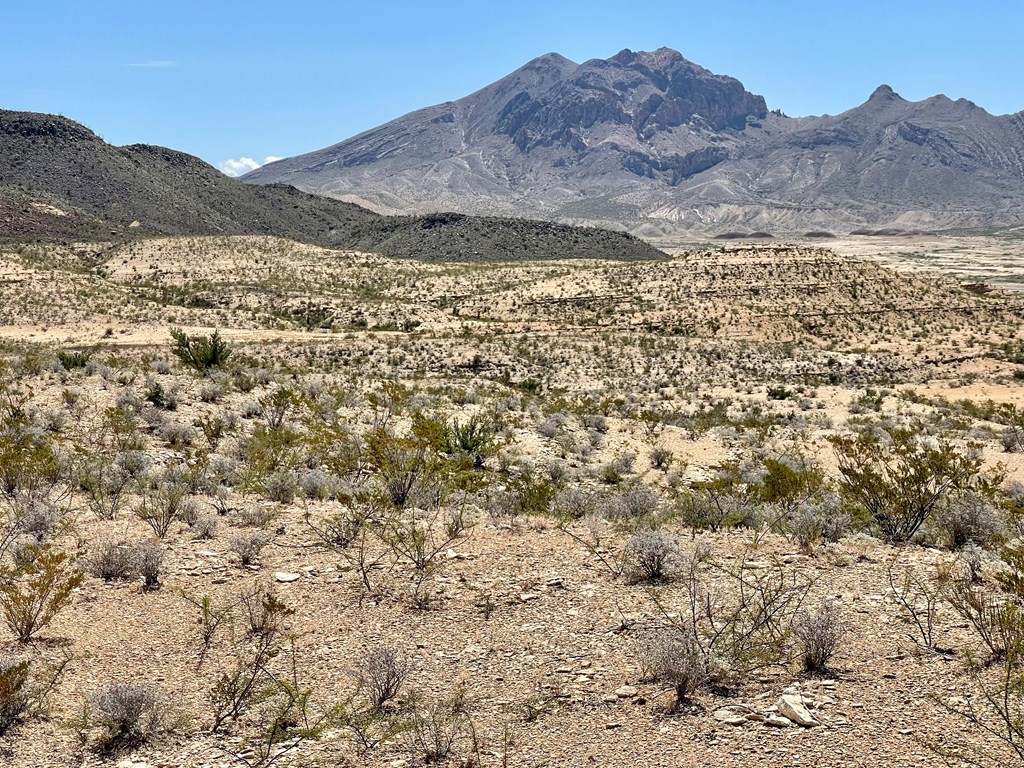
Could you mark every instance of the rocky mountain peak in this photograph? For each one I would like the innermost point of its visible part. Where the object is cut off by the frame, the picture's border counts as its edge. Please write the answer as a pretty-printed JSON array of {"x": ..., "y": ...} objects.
[
  {"x": 884, "y": 93},
  {"x": 656, "y": 143}
]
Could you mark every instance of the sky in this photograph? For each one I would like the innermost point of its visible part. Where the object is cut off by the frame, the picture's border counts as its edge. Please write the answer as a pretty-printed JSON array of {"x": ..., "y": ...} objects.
[{"x": 237, "y": 83}]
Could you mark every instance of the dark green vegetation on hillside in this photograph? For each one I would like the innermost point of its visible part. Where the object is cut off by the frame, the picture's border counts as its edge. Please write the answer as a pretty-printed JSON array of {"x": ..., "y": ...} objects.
[{"x": 47, "y": 160}]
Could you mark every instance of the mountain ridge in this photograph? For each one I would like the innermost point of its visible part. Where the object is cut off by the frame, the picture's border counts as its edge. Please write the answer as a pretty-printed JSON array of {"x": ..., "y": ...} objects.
[
  {"x": 59, "y": 180},
  {"x": 660, "y": 146}
]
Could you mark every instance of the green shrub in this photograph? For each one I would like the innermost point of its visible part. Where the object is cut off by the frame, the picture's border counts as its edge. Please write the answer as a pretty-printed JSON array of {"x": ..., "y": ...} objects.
[
  {"x": 899, "y": 477},
  {"x": 33, "y": 595},
  {"x": 75, "y": 359},
  {"x": 200, "y": 353}
]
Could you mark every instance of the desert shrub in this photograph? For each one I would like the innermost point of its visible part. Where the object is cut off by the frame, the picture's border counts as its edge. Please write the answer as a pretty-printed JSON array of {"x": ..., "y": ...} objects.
[
  {"x": 155, "y": 394},
  {"x": 550, "y": 427},
  {"x": 997, "y": 620},
  {"x": 256, "y": 516},
  {"x": 38, "y": 519},
  {"x": 275, "y": 406},
  {"x": 147, "y": 559},
  {"x": 996, "y": 703},
  {"x": 815, "y": 521},
  {"x": 29, "y": 464},
  {"x": 898, "y": 477},
  {"x": 528, "y": 493},
  {"x": 967, "y": 518},
  {"x": 403, "y": 464},
  {"x": 787, "y": 480},
  {"x": 205, "y": 527},
  {"x": 630, "y": 506},
  {"x": 340, "y": 530},
  {"x": 200, "y": 353},
  {"x": 595, "y": 422},
  {"x": 819, "y": 634},
  {"x": 918, "y": 596},
  {"x": 435, "y": 726},
  {"x": 280, "y": 487},
  {"x": 704, "y": 510},
  {"x": 167, "y": 503},
  {"x": 381, "y": 672},
  {"x": 105, "y": 481},
  {"x": 661, "y": 458},
  {"x": 265, "y": 612},
  {"x": 112, "y": 560},
  {"x": 73, "y": 359},
  {"x": 1012, "y": 438},
  {"x": 318, "y": 485},
  {"x": 574, "y": 503},
  {"x": 161, "y": 365},
  {"x": 14, "y": 690},
  {"x": 248, "y": 545},
  {"x": 175, "y": 433},
  {"x": 739, "y": 622},
  {"x": 471, "y": 438},
  {"x": 31, "y": 597},
  {"x": 673, "y": 657},
  {"x": 650, "y": 556},
  {"x": 615, "y": 471},
  {"x": 420, "y": 537},
  {"x": 212, "y": 391},
  {"x": 129, "y": 714}
]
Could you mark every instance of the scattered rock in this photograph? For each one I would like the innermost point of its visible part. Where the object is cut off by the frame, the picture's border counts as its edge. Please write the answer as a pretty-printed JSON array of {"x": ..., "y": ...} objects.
[
  {"x": 626, "y": 692},
  {"x": 285, "y": 577},
  {"x": 791, "y": 706},
  {"x": 729, "y": 716}
]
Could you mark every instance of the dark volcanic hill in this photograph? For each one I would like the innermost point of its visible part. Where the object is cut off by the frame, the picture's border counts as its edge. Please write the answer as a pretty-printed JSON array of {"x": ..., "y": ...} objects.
[
  {"x": 60, "y": 180},
  {"x": 659, "y": 145}
]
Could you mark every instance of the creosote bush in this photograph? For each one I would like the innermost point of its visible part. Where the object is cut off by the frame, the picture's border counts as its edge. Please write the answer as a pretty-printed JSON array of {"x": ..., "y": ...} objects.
[
  {"x": 898, "y": 476},
  {"x": 30, "y": 597}
]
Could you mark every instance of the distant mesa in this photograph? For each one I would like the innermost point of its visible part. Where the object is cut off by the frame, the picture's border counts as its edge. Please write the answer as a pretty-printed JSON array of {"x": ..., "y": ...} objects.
[
  {"x": 889, "y": 232},
  {"x": 744, "y": 236},
  {"x": 819, "y": 235}
]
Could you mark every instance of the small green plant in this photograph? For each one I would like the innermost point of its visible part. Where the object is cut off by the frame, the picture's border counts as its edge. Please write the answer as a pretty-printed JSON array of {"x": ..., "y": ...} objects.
[
  {"x": 74, "y": 359},
  {"x": 35, "y": 593},
  {"x": 200, "y": 353}
]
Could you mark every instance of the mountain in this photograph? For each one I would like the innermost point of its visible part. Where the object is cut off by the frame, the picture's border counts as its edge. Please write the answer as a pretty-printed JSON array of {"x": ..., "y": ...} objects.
[
  {"x": 60, "y": 180},
  {"x": 658, "y": 145}
]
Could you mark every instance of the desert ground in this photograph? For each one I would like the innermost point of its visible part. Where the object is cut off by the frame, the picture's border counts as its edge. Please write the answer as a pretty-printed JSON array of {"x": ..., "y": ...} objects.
[{"x": 549, "y": 513}]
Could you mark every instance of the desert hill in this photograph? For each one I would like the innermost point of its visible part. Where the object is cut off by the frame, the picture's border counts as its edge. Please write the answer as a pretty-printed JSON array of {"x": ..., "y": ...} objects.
[{"x": 60, "y": 180}]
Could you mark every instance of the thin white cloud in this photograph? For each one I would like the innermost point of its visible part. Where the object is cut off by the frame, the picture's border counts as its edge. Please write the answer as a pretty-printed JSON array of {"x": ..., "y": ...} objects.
[
  {"x": 245, "y": 164},
  {"x": 155, "y": 64}
]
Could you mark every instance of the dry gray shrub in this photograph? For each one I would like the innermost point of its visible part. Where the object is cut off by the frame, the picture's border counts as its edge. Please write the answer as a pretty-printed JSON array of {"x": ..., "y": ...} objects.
[
  {"x": 651, "y": 557},
  {"x": 129, "y": 713},
  {"x": 381, "y": 672},
  {"x": 819, "y": 634}
]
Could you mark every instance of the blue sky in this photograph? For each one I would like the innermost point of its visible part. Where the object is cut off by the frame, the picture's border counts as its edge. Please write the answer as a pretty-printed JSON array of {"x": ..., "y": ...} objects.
[{"x": 227, "y": 80}]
